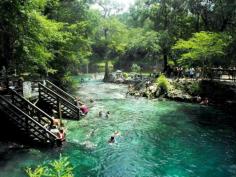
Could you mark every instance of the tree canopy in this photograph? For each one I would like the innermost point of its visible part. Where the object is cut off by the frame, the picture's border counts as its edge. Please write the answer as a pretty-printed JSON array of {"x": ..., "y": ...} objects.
[
  {"x": 56, "y": 38},
  {"x": 203, "y": 47}
]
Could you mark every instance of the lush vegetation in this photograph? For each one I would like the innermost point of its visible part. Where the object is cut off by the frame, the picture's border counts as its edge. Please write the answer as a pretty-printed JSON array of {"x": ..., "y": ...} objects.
[
  {"x": 59, "y": 38},
  {"x": 163, "y": 83},
  {"x": 56, "y": 168}
]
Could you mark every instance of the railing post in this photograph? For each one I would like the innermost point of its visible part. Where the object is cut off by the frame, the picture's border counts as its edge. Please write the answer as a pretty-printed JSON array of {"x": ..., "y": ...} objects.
[
  {"x": 27, "y": 125},
  {"x": 39, "y": 117},
  {"x": 59, "y": 108},
  {"x": 12, "y": 98},
  {"x": 39, "y": 91}
]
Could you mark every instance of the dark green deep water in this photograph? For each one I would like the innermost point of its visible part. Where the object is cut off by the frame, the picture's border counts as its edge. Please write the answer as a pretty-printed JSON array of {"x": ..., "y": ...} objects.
[{"x": 165, "y": 139}]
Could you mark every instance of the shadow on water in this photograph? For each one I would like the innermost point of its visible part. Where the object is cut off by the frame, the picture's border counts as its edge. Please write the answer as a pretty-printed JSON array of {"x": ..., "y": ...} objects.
[{"x": 208, "y": 116}]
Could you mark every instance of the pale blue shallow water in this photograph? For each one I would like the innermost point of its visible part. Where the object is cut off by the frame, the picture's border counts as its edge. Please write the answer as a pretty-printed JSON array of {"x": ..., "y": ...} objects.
[{"x": 165, "y": 139}]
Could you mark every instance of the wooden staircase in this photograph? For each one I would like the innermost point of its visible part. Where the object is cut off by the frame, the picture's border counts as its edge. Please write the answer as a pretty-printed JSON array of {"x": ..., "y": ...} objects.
[
  {"x": 29, "y": 119},
  {"x": 61, "y": 92},
  {"x": 63, "y": 103}
]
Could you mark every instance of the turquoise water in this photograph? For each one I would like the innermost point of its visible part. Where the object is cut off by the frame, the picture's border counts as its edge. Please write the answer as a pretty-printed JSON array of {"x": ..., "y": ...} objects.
[{"x": 165, "y": 139}]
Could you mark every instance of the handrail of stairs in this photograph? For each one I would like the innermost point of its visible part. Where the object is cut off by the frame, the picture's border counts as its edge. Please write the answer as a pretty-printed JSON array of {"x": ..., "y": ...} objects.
[
  {"x": 51, "y": 92},
  {"x": 16, "y": 111},
  {"x": 61, "y": 92},
  {"x": 31, "y": 107}
]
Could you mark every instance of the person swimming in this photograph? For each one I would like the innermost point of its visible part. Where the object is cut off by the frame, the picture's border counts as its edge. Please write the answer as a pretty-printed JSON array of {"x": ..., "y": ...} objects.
[
  {"x": 107, "y": 114},
  {"x": 100, "y": 114},
  {"x": 112, "y": 140}
]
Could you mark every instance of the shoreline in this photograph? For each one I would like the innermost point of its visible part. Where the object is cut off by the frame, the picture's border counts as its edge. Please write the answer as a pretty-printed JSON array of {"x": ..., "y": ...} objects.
[{"x": 221, "y": 95}]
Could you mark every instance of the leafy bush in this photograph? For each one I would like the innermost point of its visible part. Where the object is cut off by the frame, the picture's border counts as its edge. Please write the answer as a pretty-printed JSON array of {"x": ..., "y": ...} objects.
[
  {"x": 193, "y": 89},
  {"x": 135, "y": 68},
  {"x": 163, "y": 82},
  {"x": 125, "y": 75},
  {"x": 57, "y": 168}
]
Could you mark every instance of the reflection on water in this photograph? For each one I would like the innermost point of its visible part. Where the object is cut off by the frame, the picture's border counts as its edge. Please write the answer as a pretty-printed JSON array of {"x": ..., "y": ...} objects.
[{"x": 157, "y": 139}]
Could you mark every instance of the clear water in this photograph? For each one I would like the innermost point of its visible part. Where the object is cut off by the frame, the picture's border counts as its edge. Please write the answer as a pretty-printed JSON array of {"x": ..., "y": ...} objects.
[{"x": 165, "y": 139}]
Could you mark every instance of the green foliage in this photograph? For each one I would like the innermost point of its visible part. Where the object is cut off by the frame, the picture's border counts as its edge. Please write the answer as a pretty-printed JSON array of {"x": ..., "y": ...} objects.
[
  {"x": 125, "y": 75},
  {"x": 56, "y": 168},
  {"x": 57, "y": 37},
  {"x": 111, "y": 35},
  {"x": 36, "y": 42},
  {"x": 135, "y": 68},
  {"x": 37, "y": 172},
  {"x": 193, "y": 89},
  {"x": 203, "y": 46},
  {"x": 163, "y": 82},
  {"x": 44, "y": 36},
  {"x": 143, "y": 40}
]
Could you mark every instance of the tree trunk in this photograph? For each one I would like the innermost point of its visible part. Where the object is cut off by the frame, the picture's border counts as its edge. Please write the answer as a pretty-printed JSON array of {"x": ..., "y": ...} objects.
[
  {"x": 165, "y": 61},
  {"x": 87, "y": 68},
  {"x": 106, "y": 76}
]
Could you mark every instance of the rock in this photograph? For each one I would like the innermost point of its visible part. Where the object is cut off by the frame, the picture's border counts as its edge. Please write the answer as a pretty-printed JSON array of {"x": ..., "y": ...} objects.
[
  {"x": 178, "y": 95},
  {"x": 153, "y": 88},
  {"x": 119, "y": 80}
]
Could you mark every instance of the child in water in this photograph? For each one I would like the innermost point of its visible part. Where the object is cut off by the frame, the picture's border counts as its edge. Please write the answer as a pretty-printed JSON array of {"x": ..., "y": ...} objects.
[{"x": 114, "y": 137}]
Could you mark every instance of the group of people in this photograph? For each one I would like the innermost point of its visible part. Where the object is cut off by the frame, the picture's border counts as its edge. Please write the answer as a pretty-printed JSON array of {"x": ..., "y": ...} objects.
[
  {"x": 180, "y": 72},
  {"x": 203, "y": 101},
  {"x": 84, "y": 110},
  {"x": 57, "y": 128}
]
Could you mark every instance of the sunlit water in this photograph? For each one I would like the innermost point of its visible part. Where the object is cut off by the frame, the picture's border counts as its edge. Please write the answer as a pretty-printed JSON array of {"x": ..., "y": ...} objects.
[{"x": 165, "y": 139}]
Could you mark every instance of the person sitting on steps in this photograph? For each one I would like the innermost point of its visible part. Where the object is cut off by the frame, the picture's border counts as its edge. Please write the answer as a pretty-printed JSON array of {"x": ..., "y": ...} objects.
[{"x": 61, "y": 134}]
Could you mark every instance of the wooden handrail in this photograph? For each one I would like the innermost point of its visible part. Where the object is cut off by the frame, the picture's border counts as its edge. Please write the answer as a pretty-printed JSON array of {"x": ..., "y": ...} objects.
[
  {"x": 33, "y": 106},
  {"x": 61, "y": 91},
  {"x": 27, "y": 117},
  {"x": 60, "y": 97}
]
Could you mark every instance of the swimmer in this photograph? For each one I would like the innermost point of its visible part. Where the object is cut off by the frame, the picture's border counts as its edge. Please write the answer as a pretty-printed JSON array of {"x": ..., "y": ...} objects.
[
  {"x": 107, "y": 114},
  {"x": 112, "y": 140},
  {"x": 100, "y": 114},
  {"x": 116, "y": 133}
]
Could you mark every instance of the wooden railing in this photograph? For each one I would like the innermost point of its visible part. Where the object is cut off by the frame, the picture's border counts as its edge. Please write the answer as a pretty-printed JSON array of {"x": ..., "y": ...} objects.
[
  {"x": 61, "y": 92},
  {"x": 60, "y": 103},
  {"x": 218, "y": 73},
  {"x": 30, "y": 109},
  {"x": 25, "y": 122}
]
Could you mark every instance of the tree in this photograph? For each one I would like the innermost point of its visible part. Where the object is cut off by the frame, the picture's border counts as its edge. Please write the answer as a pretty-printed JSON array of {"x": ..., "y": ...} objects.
[
  {"x": 27, "y": 35},
  {"x": 169, "y": 18},
  {"x": 203, "y": 47},
  {"x": 214, "y": 15},
  {"x": 110, "y": 33}
]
